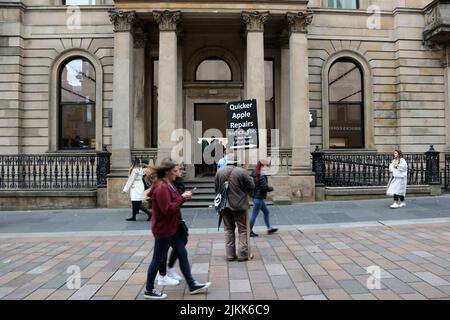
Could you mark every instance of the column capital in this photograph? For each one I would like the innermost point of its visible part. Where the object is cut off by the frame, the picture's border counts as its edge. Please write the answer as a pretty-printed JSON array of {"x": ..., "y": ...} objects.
[
  {"x": 298, "y": 22},
  {"x": 255, "y": 20},
  {"x": 167, "y": 20},
  {"x": 122, "y": 20}
]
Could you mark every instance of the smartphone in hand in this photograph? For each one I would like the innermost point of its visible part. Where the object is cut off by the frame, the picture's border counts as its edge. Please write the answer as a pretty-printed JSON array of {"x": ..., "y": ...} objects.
[{"x": 193, "y": 190}]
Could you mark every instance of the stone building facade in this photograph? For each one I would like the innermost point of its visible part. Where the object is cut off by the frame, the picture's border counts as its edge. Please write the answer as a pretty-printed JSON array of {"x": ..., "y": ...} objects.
[{"x": 373, "y": 73}]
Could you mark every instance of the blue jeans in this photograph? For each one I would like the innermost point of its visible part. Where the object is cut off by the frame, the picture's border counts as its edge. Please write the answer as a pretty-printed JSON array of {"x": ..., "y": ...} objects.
[
  {"x": 160, "y": 256},
  {"x": 259, "y": 204}
]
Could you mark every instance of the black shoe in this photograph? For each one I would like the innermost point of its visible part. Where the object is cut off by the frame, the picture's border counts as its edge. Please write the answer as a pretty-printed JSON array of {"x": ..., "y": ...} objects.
[
  {"x": 149, "y": 218},
  {"x": 252, "y": 234},
  {"x": 240, "y": 259},
  {"x": 231, "y": 258},
  {"x": 199, "y": 287},
  {"x": 272, "y": 230},
  {"x": 154, "y": 294},
  {"x": 131, "y": 219}
]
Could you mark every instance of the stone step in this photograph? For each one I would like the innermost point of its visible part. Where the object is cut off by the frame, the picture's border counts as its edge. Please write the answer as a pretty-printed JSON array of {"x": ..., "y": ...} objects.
[
  {"x": 281, "y": 200},
  {"x": 371, "y": 192},
  {"x": 205, "y": 204}
]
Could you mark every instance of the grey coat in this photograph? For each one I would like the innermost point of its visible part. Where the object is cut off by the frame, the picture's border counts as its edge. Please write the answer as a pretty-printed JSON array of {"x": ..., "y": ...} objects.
[{"x": 241, "y": 186}]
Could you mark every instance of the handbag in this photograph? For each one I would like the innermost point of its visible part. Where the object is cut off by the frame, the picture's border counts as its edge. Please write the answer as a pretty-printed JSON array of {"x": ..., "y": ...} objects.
[{"x": 221, "y": 199}]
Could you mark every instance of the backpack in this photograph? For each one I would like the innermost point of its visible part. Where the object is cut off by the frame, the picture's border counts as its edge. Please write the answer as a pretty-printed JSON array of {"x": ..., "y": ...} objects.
[{"x": 221, "y": 199}]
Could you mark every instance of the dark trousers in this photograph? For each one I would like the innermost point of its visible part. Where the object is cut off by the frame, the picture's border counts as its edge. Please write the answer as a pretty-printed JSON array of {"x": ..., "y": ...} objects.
[
  {"x": 160, "y": 255},
  {"x": 398, "y": 197},
  {"x": 137, "y": 205},
  {"x": 172, "y": 259}
]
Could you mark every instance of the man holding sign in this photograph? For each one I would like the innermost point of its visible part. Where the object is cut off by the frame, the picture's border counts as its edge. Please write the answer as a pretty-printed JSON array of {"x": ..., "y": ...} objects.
[
  {"x": 235, "y": 214},
  {"x": 242, "y": 133}
]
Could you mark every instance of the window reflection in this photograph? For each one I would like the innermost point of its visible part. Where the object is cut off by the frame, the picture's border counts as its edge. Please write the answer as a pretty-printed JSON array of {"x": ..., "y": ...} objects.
[
  {"x": 79, "y": 2},
  {"x": 346, "y": 105},
  {"x": 77, "y": 105},
  {"x": 343, "y": 4}
]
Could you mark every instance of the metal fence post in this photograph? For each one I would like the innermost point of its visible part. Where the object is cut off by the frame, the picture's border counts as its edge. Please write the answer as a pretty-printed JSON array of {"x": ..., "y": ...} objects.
[
  {"x": 318, "y": 166},
  {"x": 103, "y": 167},
  {"x": 432, "y": 174}
]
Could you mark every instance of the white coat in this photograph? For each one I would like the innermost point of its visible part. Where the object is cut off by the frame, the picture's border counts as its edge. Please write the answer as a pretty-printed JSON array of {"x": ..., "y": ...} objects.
[
  {"x": 397, "y": 183},
  {"x": 135, "y": 185}
]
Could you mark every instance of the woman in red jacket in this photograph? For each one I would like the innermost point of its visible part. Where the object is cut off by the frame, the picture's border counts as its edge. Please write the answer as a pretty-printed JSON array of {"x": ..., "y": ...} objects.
[{"x": 166, "y": 203}]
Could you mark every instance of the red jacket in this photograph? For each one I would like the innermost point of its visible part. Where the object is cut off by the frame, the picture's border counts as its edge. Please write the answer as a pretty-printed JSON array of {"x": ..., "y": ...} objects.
[{"x": 166, "y": 203}]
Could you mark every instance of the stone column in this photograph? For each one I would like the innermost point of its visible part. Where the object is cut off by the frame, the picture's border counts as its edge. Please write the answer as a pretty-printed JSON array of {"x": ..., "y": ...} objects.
[
  {"x": 285, "y": 107},
  {"x": 255, "y": 84},
  {"x": 122, "y": 88},
  {"x": 299, "y": 92},
  {"x": 168, "y": 108},
  {"x": 122, "y": 105},
  {"x": 139, "y": 128},
  {"x": 301, "y": 180}
]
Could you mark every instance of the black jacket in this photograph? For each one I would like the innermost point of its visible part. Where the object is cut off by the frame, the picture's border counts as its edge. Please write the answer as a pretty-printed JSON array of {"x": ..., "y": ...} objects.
[
  {"x": 261, "y": 186},
  {"x": 179, "y": 184}
]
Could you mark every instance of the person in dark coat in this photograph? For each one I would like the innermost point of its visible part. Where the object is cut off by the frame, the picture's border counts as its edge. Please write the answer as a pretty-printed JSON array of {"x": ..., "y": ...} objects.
[
  {"x": 259, "y": 196},
  {"x": 169, "y": 269},
  {"x": 166, "y": 203}
]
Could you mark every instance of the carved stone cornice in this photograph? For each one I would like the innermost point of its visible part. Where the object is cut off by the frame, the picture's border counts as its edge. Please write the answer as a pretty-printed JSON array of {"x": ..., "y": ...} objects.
[
  {"x": 167, "y": 20},
  {"x": 298, "y": 22},
  {"x": 255, "y": 20},
  {"x": 122, "y": 21}
]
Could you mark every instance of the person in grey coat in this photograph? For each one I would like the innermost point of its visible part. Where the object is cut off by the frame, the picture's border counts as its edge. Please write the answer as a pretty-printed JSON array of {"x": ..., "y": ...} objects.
[{"x": 241, "y": 185}]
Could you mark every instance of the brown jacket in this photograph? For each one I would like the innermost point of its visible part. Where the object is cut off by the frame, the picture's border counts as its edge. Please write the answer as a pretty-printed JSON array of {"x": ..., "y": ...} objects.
[{"x": 240, "y": 187}]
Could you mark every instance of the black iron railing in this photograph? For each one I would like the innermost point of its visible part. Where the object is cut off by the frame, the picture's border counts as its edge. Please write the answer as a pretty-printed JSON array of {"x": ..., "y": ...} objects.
[
  {"x": 447, "y": 172},
  {"x": 54, "y": 171},
  {"x": 333, "y": 169}
]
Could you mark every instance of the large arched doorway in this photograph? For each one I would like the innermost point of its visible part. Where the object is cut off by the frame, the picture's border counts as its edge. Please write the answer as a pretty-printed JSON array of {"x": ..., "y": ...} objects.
[{"x": 213, "y": 78}]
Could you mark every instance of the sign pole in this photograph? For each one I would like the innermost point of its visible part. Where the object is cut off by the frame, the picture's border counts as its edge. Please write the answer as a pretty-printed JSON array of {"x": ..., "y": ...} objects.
[{"x": 247, "y": 213}]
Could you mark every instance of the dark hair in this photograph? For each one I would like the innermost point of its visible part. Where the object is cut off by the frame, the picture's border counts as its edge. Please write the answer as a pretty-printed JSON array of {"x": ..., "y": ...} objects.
[
  {"x": 134, "y": 163},
  {"x": 400, "y": 153},
  {"x": 166, "y": 165}
]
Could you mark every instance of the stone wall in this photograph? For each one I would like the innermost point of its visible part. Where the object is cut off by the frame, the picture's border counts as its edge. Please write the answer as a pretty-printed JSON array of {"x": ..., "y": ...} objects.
[
  {"x": 408, "y": 81},
  {"x": 31, "y": 41},
  {"x": 408, "y": 105}
]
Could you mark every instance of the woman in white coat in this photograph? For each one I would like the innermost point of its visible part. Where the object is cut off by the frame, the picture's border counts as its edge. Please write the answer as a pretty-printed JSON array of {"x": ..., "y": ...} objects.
[
  {"x": 135, "y": 186},
  {"x": 398, "y": 181}
]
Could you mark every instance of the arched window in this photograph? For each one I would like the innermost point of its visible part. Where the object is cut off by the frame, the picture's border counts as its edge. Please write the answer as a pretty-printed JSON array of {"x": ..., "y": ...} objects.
[
  {"x": 213, "y": 69},
  {"x": 77, "y": 105},
  {"x": 346, "y": 106}
]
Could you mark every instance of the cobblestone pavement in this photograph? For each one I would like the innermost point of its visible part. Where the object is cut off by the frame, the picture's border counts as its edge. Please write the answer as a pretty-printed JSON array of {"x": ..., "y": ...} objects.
[{"x": 293, "y": 264}]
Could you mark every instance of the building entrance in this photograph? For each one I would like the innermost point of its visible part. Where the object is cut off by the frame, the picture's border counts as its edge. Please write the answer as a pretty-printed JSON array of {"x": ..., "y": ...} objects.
[{"x": 213, "y": 120}]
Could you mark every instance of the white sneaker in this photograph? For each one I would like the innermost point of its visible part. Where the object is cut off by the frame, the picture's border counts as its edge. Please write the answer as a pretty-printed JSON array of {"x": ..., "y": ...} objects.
[
  {"x": 167, "y": 281},
  {"x": 402, "y": 204},
  {"x": 173, "y": 274},
  {"x": 395, "y": 205}
]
